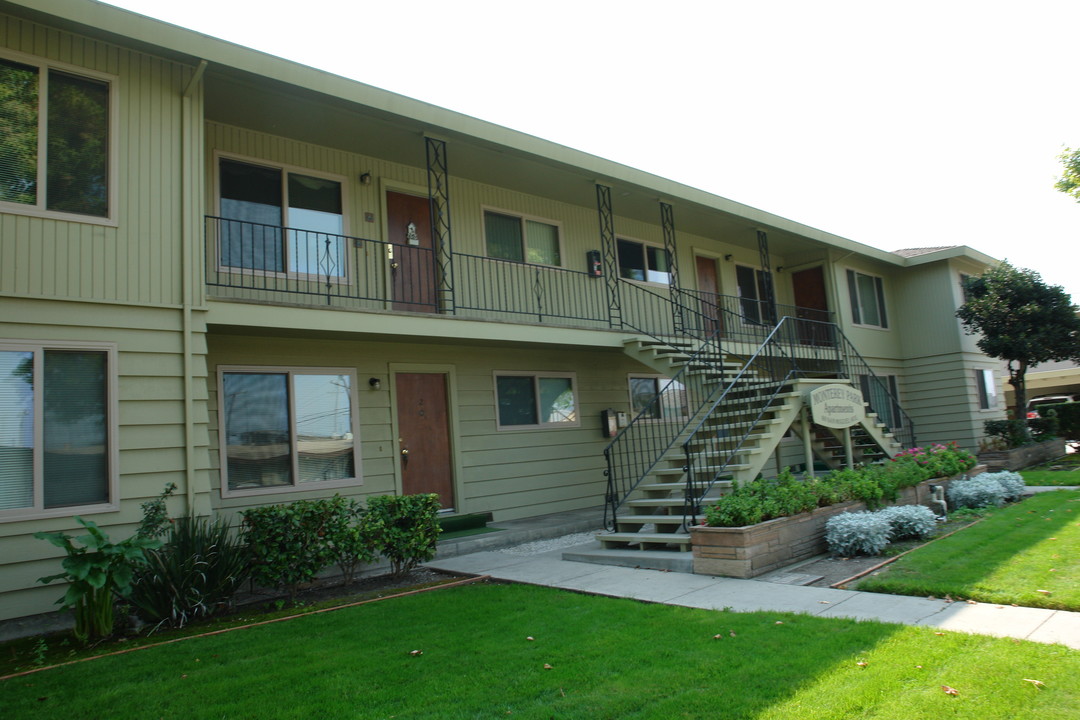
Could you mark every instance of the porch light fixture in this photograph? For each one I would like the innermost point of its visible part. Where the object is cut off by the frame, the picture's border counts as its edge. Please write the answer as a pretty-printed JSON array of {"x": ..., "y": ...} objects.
[
  {"x": 728, "y": 257},
  {"x": 375, "y": 383},
  {"x": 365, "y": 178}
]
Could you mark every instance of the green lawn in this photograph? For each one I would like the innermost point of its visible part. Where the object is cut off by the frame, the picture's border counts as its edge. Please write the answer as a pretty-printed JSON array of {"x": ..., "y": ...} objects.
[
  {"x": 1063, "y": 471},
  {"x": 1027, "y": 554},
  {"x": 608, "y": 658}
]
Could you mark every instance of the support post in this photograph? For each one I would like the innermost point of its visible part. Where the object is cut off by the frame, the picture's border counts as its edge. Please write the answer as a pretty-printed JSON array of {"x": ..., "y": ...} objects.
[
  {"x": 667, "y": 221},
  {"x": 439, "y": 197},
  {"x": 808, "y": 445},
  {"x": 767, "y": 279},
  {"x": 849, "y": 451},
  {"x": 610, "y": 255}
]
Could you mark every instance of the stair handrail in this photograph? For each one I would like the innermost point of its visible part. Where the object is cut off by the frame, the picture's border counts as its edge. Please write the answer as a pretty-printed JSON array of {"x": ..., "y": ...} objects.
[
  {"x": 787, "y": 358},
  {"x": 904, "y": 430}
]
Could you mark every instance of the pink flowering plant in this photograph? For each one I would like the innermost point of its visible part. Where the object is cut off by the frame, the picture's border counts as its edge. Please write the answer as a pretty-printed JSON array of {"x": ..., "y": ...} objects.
[{"x": 934, "y": 461}]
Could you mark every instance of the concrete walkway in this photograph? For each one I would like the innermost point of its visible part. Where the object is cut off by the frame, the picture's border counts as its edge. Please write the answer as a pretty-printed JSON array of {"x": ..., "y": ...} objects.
[{"x": 713, "y": 593}]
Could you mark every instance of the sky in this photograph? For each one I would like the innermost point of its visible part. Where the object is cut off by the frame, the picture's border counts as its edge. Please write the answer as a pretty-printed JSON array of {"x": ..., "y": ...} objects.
[{"x": 894, "y": 124}]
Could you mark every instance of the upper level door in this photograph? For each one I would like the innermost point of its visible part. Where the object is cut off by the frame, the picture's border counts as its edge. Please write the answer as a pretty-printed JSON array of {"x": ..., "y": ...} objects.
[
  {"x": 412, "y": 249},
  {"x": 812, "y": 306},
  {"x": 710, "y": 293}
]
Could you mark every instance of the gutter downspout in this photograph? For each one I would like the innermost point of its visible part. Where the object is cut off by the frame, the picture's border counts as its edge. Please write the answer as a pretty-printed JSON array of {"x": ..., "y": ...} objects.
[{"x": 187, "y": 279}]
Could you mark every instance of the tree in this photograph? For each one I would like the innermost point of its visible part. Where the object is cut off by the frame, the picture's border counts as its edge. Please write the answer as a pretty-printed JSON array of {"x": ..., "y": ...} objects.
[
  {"x": 1070, "y": 179},
  {"x": 1022, "y": 320}
]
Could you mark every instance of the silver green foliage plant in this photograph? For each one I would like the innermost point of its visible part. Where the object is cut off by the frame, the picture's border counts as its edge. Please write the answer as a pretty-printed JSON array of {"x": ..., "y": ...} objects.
[
  {"x": 909, "y": 521},
  {"x": 979, "y": 491},
  {"x": 858, "y": 533},
  {"x": 1012, "y": 484}
]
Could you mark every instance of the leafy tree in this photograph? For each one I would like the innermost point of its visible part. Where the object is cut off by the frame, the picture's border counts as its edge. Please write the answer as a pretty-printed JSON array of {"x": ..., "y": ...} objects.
[
  {"x": 1023, "y": 321},
  {"x": 1070, "y": 178}
]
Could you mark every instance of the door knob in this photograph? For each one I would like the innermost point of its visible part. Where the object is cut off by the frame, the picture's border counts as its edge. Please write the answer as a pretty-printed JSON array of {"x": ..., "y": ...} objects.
[{"x": 404, "y": 451}]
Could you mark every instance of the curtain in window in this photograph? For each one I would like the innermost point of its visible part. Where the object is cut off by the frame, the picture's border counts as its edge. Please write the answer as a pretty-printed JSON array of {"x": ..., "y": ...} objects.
[
  {"x": 257, "y": 443},
  {"x": 557, "y": 400},
  {"x": 19, "y": 132},
  {"x": 324, "y": 438},
  {"x": 503, "y": 235},
  {"x": 543, "y": 242},
  {"x": 78, "y": 145},
  {"x": 316, "y": 225},
  {"x": 252, "y": 196},
  {"x": 16, "y": 429},
  {"x": 76, "y": 453}
]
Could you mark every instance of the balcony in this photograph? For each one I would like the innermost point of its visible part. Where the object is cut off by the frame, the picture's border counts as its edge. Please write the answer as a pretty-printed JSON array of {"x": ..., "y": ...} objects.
[{"x": 270, "y": 264}]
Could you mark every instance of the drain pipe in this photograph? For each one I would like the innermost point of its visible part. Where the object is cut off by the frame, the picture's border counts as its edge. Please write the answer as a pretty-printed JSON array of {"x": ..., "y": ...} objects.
[{"x": 187, "y": 278}]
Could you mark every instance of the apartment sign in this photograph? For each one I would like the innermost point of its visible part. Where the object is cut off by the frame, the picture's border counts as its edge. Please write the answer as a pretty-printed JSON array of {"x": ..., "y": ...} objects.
[{"x": 837, "y": 406}]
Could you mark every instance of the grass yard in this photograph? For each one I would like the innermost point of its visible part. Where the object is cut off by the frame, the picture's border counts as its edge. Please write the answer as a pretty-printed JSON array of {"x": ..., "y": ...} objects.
[
  {"x": 1027, "y": 554},
  {"x": 591, "y": 657},
  {"x": 1063, "y": 471}
]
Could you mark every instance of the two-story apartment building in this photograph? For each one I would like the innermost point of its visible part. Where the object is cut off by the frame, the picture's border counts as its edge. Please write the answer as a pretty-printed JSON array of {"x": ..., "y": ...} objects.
[{"x": 263, "y": 282}]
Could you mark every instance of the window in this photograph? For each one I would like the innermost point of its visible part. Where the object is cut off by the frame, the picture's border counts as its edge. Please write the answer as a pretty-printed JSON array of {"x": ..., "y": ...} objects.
[
  {"x": 286, "y": 429},
  {"x": 867, "y": 299},
  {"x": 647, "y": 263},
  {"x": 56, "y": 429},
  {"x": 754, "y": 295},
  {"x": 280, "y": 221},
  {"x": 657, "y": 398},
  {"x": 964, "y": 280},
  {"x": 881, "y": 392},
  {"x": 55, "y": 151},
  {"x": 509, "y": 237},
  {"x": 987, "y": 389},
  {"x": 535, "y": 400}
]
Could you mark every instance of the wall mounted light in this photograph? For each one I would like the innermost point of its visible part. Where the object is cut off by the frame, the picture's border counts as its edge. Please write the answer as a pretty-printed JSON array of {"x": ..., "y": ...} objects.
[
  {"x": 728, "y": 257},
  {"x": 365, "y": 178},
  {"x": 375, "y": 383},
  {"x": 779, "y": 268}
]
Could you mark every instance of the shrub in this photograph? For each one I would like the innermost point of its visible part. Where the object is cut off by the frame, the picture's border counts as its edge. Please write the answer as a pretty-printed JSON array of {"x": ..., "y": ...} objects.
[
  {"x": 1014, "y": 433},
  {"x": 909, "y": 521},
  {"x": 1068, "y": 416},
  {"x": 350, "y": 536},
  {"x": 193, "y": 575},
  {"x": 96, "y": 569},
  {"x": 285, "y": 542},
  {"x": 935, "y": 461},
  {"x": 1012, "y": 484},
  {"x": 976, "y": 492},
  {"x": 861, "y": 533},
  {"x": 735, "y": 510},
  {"x": 407, "y": 527},
  {"x": 860, "y": 484},
  {"x": 1045, "y": 427}
]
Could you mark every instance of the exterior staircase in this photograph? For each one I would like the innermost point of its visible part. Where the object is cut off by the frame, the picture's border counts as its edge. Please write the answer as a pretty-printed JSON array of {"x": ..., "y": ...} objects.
[{"x": 663, "y": 471}]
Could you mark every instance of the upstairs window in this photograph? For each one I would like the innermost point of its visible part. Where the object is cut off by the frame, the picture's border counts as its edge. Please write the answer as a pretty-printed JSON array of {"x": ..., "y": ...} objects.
[
  {"x": 645, "y": 263},
  {"x": 520, "y": 239},
  {"x": 867, "y": 299},
  {"x": 55, "y": 152},
  {"x": 753, "y": 295},
  {"x": 280, "y": 221}
]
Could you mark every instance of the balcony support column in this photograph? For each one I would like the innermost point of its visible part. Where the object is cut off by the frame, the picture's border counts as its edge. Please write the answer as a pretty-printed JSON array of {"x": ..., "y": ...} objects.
[
  {"x": 767, "y": 278},
  {"x": 667, "y": 221},
  {"x": 610, "y": 254},
  {"x": 439, "y": 196}
]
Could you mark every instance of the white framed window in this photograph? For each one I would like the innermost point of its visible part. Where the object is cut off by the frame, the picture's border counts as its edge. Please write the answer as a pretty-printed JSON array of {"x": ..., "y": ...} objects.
[
  {"x": 867, "y": 299},
  {"x": 284, "y": 429},
  {"x": 57, "y": 429},
  {"x": 509, "y": 236},
  {"x": 58, "y": 123},
  {"x": 656, "y": 397},
  {"x": 643, "y": 262},
  {"x": 754, "y": 305},
  {"x": 277, "y": 219},
  {"x": 986, "y": 386},
  {"x": 535, "y": 400}
]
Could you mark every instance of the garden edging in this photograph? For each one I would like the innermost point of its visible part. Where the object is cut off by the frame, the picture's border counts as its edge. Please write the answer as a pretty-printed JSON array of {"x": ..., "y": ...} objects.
[{"x": 752, "y": 550}]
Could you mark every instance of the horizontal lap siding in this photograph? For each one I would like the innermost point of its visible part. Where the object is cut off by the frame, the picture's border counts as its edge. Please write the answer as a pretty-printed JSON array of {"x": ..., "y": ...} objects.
[
  {"x": 150, "y": 426},
  {"x": 943, "y": 400},
  {"x": 511, "y": 473}
]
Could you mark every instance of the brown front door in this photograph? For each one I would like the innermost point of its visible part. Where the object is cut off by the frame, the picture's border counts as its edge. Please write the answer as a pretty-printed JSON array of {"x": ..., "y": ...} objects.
[
  {"x": 424, "y": 435},
  {"x": 710, "y": 289},
  {"x": 812, "y": 304},
  {"x": 412, "y": 266}
]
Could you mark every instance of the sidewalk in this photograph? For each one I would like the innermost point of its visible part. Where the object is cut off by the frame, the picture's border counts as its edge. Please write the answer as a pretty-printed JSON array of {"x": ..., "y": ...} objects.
[{"x": 546, "y": 567}]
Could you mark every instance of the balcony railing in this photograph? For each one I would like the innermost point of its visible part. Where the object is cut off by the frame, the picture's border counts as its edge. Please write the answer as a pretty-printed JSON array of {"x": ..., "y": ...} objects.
[{"x": 267, "y": 263}]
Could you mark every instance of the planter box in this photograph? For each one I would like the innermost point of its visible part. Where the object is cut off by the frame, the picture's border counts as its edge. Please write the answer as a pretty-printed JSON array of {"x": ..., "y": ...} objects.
[
  {"x": 1023, "y": 457},
  {"x": 746, "y": 552}
]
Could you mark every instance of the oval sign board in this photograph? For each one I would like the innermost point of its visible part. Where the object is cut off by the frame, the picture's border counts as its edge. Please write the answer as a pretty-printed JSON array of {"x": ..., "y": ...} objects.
[{"x": 837, "y": 406}]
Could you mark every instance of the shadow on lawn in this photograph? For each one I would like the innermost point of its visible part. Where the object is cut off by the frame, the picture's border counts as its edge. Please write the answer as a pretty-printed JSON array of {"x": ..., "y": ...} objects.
[{"x": 959, "y": 564}]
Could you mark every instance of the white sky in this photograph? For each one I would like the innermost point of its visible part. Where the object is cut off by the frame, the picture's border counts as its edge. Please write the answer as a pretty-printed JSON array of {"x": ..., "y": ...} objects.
[{"x": 893, "y": 124}]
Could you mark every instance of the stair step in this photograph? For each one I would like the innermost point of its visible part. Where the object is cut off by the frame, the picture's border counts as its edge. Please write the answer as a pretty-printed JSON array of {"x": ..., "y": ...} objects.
[
  {"x": 645, "y": 541},
  {"x": 649, "y": 519},
  {"x": 669, "y": 502}
]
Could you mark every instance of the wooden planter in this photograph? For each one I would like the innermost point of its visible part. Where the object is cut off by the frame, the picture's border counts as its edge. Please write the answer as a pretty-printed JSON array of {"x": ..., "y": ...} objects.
[
  {"x": 746, "y": 552},
  {"x": 1023, "y": 457}
]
